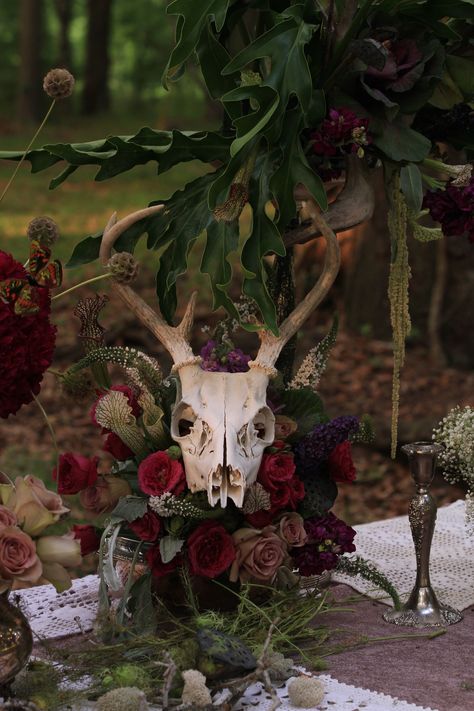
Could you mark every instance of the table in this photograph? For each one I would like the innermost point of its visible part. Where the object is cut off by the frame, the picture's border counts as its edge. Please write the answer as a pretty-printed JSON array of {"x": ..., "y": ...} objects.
[{"x": 415, "y": 674}]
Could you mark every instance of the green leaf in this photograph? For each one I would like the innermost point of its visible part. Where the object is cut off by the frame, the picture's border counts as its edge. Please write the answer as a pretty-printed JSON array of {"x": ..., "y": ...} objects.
[
  {"x": 193, "y": 17},
  {"x": 129, "y": 508},
  {"x": 213, "y": 57},
  {"x": 400, "y": 142},
  {"x": 170, "y": 546},
  {"x": 446, "y": 94},
  {"x": 59, "y": 179},
  {"x": 294, "y": 169},
  {"x": 222, "y": 240},
  {"x": 39, "y": 158},
  {"x": 85, "y": 251},
  {"x": 412, "y": 186},
  {"x": 248, "y": 126},
  {"x": 320, "y": 493},
  {"x": 461, "y": 69},
  {"x": 284, "y": 44},
  {"x": 304, "y": 406}
]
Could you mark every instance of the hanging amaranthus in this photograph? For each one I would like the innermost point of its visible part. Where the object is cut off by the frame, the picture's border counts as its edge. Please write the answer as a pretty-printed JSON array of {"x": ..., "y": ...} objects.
[{"x": 398, "y": 293}]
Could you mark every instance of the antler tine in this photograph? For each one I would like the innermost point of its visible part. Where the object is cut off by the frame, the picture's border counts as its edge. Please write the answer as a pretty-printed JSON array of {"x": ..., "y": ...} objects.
[
  {"x": 354, "y": 205},
  {"x": 174, "y": 339},
  {"x": 271, "y": 345}
]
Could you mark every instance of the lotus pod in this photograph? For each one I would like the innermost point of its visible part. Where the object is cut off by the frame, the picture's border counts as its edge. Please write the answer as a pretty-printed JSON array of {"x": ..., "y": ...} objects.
[
  {"x": 226, "y": 649},
  {"x": 114, "y": 413}
]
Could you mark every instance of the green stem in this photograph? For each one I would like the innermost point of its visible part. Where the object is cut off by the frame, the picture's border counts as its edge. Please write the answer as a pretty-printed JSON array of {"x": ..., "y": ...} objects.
[
  {"x": 22, "y": 159},
  {"x": 83, "y": 283},
  {"x": 50, "y": 428}
]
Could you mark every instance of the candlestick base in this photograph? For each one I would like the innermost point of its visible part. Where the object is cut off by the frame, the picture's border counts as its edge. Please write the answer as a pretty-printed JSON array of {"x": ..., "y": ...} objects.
[{"x": 422, "y": 609}]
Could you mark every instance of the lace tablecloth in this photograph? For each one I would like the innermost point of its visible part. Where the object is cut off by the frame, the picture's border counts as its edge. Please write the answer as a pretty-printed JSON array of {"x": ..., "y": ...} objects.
[{"x": 388, "y": 544}]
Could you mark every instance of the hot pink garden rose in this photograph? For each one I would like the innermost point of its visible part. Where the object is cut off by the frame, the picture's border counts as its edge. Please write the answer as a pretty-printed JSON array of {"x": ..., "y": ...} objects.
[
  {"x": 291, "y": 529},
  {"x": 259, "y": 554},
  {"x": 18, "y": 559}
]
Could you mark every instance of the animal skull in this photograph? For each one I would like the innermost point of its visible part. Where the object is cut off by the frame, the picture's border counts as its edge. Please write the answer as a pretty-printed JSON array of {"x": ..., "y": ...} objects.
[
  {"x": 221, "y": 420},
  {"x": 223, "y": 424}
]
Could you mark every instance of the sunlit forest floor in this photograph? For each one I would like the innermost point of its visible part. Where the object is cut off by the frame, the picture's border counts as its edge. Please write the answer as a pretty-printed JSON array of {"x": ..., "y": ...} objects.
[{"x": 358, "y": 379}]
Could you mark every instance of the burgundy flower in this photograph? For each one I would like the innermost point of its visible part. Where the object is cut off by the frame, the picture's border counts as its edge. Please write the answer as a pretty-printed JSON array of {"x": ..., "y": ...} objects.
[
  {"x": 342, "y": 132},
  {"x": 400, "y": 71},
  {"x": 159, "y": 473},
  {"x": 276, "y": 469},
  {"x": 221, "y": 359},
  {"x": 341, "y": 466},
  {"x": 157, "y": 567},
  {"x": 328, "y": 538},
  {"x": 88, "y": 538},
  {"x": 210, "y": 550},
  {"x": 147, "y": 528},
  {"x": 26, "y": 344},
  {"x": 75, "y": 473},
  {"x": 453, "y": 209},
  {"x": 118, "y": 449},
  {"x": 132, "y": 401}
]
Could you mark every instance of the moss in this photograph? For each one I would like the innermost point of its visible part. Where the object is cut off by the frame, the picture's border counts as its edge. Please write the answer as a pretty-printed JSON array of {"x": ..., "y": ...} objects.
[{"x": 124, "y": 699}]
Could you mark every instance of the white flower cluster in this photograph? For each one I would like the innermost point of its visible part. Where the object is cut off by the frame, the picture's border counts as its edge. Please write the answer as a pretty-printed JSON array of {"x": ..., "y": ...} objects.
[
  {"x": 310, "y": 370},
  {"x": 168, "y": 505},
  {"x": 456, "y": 433}
]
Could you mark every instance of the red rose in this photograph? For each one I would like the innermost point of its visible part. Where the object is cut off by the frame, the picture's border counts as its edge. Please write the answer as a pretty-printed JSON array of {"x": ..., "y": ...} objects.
[
  {"x": 132, "y": 401},
  {"x": 118, "y": 449},
  {"x": 157, "y": 567},
  {"x": 26, "y": 344},
  {"x": 341, "y": 466},
  {"x": 75, "y": 473},
  {"x": 88, "y": 538},
  {"x": 260, "y": 519},
  {"x": 147, "y": 527},
  {"x": 158, "y": 473},
  {"x": 286, "y": 496},
  {"x": 211, "y": 550},
  {"x": 276, "y": 469}
]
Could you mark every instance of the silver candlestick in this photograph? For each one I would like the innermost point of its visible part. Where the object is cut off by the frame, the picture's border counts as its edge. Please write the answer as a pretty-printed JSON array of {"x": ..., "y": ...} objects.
[{"x": 422, "y": 608}]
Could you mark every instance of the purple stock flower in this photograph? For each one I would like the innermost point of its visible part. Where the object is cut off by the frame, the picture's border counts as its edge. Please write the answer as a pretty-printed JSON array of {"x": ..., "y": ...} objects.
[
  {"x": 315, "y": 448},
  {"x": 328, "y": 538},
  {"x": 217, "y": 359},
  {"x": 453, "y": 209},
  {"x": 342, "y": 132}
]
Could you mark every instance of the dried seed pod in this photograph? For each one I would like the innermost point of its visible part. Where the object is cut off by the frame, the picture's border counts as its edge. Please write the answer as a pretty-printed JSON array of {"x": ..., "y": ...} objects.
[
  {"x": 124, "y": 267},
  {"x": 44, "y": 230},
  {"x": 58, "y": 83}
]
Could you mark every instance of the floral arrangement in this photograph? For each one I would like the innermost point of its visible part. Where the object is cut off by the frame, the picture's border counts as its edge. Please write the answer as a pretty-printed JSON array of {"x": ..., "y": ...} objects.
[
  {"x": 285, "y": 527},
  {"x": 456, "y": 433},
  {"x": 31, "y": 552}
]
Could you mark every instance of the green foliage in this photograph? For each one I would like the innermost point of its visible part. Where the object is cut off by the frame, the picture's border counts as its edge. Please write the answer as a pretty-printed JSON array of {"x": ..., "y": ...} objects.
[
  {"x": 305, "y": 407},
  {"x": 129, "y": 508},
  {"x": 358, "y": 566},
  {"x": 320, "y": 493}
]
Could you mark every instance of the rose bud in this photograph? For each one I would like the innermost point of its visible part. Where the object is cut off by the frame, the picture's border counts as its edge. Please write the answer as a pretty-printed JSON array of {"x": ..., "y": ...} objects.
[{"x": 87, "y": 537}]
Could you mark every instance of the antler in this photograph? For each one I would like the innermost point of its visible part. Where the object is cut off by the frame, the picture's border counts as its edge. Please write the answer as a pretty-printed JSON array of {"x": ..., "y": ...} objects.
[
  {"x": 174, "y": 339},
  {"x": 271, "y": 345},
  {"x": 354, "y": 205}
]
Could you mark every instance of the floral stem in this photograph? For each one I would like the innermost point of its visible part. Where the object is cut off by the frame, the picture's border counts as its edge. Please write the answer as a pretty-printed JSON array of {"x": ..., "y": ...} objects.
[
  {"x": 22, "y": 159},
  {"x": 50, "y": 428},
  {"x": 83, "y": 283}
]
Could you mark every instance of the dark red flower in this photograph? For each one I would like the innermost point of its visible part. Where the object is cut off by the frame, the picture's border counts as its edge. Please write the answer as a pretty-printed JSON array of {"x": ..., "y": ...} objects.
[
  {"x": 26, "y": 344},
  {"x": 88, "y": 537},
  {"x": 284, "y": 497},
  {"x": 341, "y": 465},
  {"x": 132, "y": 401},
  {"x": 340, "y": 133},
  {"x": 159, "y": 473},
  {"x": 453, "y": 209},
  {"x": 328, "y": 538},
  {"x": 148, "y": 527},
  {"x": 118, "y": 449},
  {"x": 211, "y": 550},
  {"x": 75, "y": 473},
  {"x": 276, "y": 469},
  {"x": 157, "y": 567}
]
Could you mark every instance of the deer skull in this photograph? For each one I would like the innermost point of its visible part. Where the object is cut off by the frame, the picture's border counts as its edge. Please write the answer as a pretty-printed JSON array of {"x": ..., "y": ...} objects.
[{"x": 223, "y": 424}]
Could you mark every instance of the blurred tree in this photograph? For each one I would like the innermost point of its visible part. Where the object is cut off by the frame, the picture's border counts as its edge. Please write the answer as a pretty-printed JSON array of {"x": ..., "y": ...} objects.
[
  {"x": 95, "y": 96},
  {"x": 64, "y": 11},
  {"x": 29, "y": 97}
]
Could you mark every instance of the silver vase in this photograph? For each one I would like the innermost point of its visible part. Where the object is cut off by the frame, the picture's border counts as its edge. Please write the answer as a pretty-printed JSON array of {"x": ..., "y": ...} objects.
[
  {"x": 422, "y": 608},
  {"x": 16, "y": 642}
]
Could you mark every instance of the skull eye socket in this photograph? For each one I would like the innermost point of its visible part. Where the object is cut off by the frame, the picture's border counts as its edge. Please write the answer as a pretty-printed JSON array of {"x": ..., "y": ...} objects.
[
  {"x": 263, "y": 423},
  {"x": 184, "y": 427},
  {"x": 184, "y": 421}
]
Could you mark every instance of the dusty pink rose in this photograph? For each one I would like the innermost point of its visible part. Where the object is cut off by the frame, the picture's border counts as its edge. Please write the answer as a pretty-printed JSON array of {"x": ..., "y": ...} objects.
[
  {"x": 7, "y": 517},
  {"x": 292, "y": 530},
  {"x": 34, "y": 506},
  {"x": 18, "y": 559},
  {"x": 259, "y": 554},
  {"x": 284, "y": 427},
  {"x": 104, "y": 494}
]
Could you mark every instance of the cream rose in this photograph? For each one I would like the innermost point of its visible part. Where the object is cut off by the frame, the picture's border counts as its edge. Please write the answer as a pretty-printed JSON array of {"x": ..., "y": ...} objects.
[
  {"x": 284, "y": 426},
  {"x": 292, "y": 530},
  {"x": 259, "y": 554},
  {"x": 18, "y": 558},
  {"x": 56, "y": 554},
  {"x": 34, "y": 506}
]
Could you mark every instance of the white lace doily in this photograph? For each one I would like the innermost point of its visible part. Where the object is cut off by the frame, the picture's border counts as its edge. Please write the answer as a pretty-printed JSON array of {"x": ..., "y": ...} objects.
[
  {"x": 388, "y": 544},
  {"x": 71, "y": 612}
]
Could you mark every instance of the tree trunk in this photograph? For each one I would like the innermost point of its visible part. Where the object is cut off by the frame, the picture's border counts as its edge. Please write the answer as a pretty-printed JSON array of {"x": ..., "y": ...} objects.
[
  {"x": 96, "y": 76},
  {"x": 30, "y": 74},
  {"x": 64, "y": 12}
]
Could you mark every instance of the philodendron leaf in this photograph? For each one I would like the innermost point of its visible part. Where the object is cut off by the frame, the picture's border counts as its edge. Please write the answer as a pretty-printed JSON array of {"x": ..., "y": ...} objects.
[
  {"x": 222, "y": 240},
  {"x": 248, "y": 126},
  {"x": 170, "y": 546},
  {"x": 193, "y": 17}
]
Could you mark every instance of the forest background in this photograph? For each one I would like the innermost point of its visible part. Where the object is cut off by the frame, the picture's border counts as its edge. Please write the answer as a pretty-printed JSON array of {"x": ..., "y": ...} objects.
[{"x": 117, "y": 50}]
